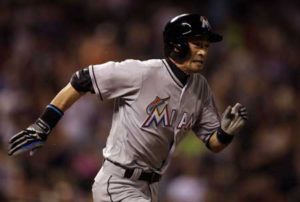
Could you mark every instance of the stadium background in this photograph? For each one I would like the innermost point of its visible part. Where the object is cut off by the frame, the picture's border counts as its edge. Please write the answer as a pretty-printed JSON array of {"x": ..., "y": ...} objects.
[{"x": 43, "y": 42}]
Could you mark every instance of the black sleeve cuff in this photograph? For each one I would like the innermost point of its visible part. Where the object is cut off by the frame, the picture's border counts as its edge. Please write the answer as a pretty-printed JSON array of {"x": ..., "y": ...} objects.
[{"x": 81, "y": 81}]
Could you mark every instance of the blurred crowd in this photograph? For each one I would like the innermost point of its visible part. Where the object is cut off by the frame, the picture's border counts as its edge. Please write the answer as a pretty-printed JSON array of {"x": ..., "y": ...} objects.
[{"x": 42, "y": 43}]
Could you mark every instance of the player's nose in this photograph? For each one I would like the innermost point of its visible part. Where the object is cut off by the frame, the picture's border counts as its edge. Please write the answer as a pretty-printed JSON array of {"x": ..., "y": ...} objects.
[{"x": 202, "y": 52}]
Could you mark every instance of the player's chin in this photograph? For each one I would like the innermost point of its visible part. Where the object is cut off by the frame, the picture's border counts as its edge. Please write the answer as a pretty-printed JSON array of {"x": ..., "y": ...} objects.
[{"x": 197, "y": 67}]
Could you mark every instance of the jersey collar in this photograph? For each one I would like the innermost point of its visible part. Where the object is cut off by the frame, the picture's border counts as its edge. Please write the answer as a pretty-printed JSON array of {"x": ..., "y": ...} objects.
[{"x": 180, "y": 75}]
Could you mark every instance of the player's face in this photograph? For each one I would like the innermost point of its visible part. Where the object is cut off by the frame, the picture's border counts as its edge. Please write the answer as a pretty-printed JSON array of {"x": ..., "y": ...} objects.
[{"x": 198, "y": 54}]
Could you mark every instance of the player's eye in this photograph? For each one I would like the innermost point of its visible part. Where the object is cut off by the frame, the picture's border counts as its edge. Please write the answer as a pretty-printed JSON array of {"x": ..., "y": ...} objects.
[{"x": 199, "y": 44}]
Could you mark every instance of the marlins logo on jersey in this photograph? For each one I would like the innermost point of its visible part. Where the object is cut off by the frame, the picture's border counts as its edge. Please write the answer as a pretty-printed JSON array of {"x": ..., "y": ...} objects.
[{"x": 159, "y": 114}]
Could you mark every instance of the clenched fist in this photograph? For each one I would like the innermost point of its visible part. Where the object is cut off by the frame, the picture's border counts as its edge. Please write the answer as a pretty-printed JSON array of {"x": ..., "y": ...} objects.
[{"x": 234, "y": 119}]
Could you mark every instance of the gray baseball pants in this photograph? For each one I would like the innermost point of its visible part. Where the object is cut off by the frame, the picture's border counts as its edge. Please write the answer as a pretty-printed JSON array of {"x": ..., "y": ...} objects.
[{"x": 111, "y": 186}]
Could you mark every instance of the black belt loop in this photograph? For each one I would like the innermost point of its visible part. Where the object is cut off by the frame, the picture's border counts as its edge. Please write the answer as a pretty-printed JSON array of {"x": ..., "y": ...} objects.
[
  {"x": 128, "y": 173},
  {"x": 149, "y": 177}
]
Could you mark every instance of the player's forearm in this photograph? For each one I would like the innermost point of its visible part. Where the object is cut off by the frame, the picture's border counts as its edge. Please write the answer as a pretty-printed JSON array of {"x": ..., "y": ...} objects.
[
  {"x": 232, "y": 121},
  {"x": 66, "y": 97},
  {"x": 214, "y": 143},
  {"x": 37, "y": 133}
]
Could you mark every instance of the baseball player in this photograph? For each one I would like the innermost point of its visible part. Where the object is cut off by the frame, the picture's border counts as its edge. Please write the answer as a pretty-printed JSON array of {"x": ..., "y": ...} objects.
[{"x": 157, "y": 102}]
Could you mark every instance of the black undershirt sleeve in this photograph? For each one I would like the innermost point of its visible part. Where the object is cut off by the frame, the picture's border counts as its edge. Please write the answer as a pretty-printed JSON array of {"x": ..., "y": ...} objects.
[{"x": 82, "y": 82}]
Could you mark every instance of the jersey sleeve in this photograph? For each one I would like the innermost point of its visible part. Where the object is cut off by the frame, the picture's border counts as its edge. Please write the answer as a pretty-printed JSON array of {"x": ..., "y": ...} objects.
[
  {"x": 209, "y": 119},
  {"x": 116, "y": 79}
]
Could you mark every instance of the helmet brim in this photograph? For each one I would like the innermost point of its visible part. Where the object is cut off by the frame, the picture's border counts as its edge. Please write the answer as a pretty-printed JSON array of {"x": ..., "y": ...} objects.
[{"x": 214, "y": 37}]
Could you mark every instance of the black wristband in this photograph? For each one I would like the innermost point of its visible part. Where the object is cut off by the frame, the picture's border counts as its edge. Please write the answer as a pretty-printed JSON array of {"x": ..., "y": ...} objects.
[
  {"x": 223, "y": 137},
  {"x": 51, "y": 115}
]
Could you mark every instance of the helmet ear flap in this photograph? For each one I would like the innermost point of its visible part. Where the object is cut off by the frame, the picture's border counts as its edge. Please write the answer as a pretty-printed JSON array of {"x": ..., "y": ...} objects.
[{"x": 179, "y": 51}]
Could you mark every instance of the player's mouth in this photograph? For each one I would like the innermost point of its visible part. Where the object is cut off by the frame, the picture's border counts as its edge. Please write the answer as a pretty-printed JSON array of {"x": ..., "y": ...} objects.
[{"x": 198, "y": 61}]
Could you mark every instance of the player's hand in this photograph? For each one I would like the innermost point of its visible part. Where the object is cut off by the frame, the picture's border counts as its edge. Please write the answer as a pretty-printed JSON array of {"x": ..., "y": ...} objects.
[
  {"x": 234, "y": 119},
  {"x": 30, "y": 139}
]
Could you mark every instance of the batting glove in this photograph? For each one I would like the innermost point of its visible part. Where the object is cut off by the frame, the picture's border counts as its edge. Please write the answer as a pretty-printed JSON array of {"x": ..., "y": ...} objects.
[
  {"x": 36, "y": 134},
  {"x": 29, "y": 139},
  {"x": 234, "y": 119}
]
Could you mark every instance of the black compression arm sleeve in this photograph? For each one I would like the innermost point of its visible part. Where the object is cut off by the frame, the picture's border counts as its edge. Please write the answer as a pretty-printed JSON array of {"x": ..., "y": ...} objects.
[{"x": 82, "y": 82}]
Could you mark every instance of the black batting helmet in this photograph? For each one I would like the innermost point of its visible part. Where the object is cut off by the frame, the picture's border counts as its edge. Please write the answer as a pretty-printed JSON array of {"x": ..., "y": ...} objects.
[{"x": 183, "y": 27}]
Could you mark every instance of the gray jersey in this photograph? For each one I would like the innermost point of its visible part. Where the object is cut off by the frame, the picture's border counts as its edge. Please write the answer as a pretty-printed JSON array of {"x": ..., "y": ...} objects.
[{"x": 153, "y": 110}]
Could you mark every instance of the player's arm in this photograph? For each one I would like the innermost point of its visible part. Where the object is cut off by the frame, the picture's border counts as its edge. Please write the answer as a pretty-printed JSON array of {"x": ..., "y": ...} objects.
[
  {"x": 80, "y": 84},
  {"x": 37, "y": 133},
  {"x": 66, "y": 97},
  {"x": 232, "y": 121}
]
